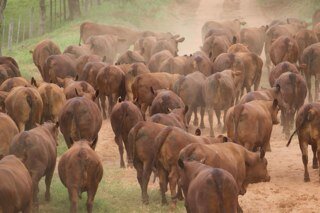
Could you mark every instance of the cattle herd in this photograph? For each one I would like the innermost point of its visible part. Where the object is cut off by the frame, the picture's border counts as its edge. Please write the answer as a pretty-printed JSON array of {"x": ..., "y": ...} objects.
[{"x": 141, "y": 70}]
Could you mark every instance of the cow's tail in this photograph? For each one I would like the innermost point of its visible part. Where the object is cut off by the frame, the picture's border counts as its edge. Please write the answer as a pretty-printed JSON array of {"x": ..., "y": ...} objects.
[
  {"x": 132, "y": 139},
  {"x": 122, "y": 89},
  {"x": 300, "y": 121},
  {"x": 48, "y": 104},
  {"x": 83, "y": 164},
  {"x": 30, "y": 122},
  {"x": 159, "y": 141},
  {"x": 236, "y": 119}
]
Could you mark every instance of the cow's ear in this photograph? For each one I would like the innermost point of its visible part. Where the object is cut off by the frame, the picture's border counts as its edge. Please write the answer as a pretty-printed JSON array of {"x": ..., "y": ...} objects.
[
  {"x": 197, "y": 132},
  {"x": 310, "y": 115},
  {"x": 225, "y": 139},
  {"x": 37, "y": 125},
  {"x": 169, "y": 110},
  {"x": 152, "y": 91},
  {"x": 180, "y": 39},
  {"x": 34, "y": 82},
  {"x": 57, "y": 124},
  {"x": 234, "y": 40},
  {"x": 278, "y": 88},
  {"x": 262, "y": 153},
  {"x": 76, "y": 78},
  {"x": 180, "y": 163},
  {"x": 251, "y": 158}
]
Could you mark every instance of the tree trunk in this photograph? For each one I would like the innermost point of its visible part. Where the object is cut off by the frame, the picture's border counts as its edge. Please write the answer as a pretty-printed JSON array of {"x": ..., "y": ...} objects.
[
  {"x": 42, "y": 5},
  {"x": 3, "y": 4},
  {"x": 74, "y": 9}
]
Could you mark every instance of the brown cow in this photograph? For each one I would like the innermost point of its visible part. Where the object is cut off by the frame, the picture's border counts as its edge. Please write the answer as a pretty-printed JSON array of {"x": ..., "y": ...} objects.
[
  {"x": 37, "y": 148},
  {"x": 263, "y": 94},
  {"x": 83, "y": 60},
  {"x": 124, "y": 116},
  {"x": 13, "y": 65},
  {"x": 78, "y": 51},
  {"x": 141, "y": 145},
  {"x": 141, "y": 87},
  {"x": 254, "y": 38},
  {"x": 24, "y": 105},
  {"x": 167, "y": 146},
  {"x": 8, "y": 129},
  {"x": 16, "y": 187},
  {"x": 261, "y": 113},
  {"x": 245, "y": 166},
  {"x": 53, "y": 100},
  {"x": 74, "y": 88},
  {"x": 7, "y": 72},
  {"x": 307, "y": 123},
  {"x": 218, "y": 92},
  {"x": 135, "y": 70},
  {"x": 158, "y": 58},
  {"x": 90, "y": 72},
  {"x": 79, "y": 119},
  {"x": 207, "y": 189},
  {"x": 279, "y": 69},
  {"x": 177, "y": 65},
  {"x": 235, "y": 48},
  {"x": 62, "y": 66},
  {"x": 189, "y": 89},
  {"x": 175, "y": 117},
  {"x": 215, "y": 45},
  {"x": 88, "y": 29},
  {"x": 106, "y": 46},
  {"x": 228, "y": 61},
  {"x": 80, "y": 170},
  {"x": 130, "y": 57},
  {"x": 292, "y": 91},
  {"x": 42, "y": 51},
  {"x": 305, "y": 38},
  {"x": 170, "y": 44},
  {"x": 202, "y": 63},
  {"x": 10, "y": 83},
  {"x": 284, "y": 48},
  {"x": 111, "y": 83},
  {"x": 310, "y": 63},
  {"x": 144, "y": 46},
  {"x": 164, "y": 101}
]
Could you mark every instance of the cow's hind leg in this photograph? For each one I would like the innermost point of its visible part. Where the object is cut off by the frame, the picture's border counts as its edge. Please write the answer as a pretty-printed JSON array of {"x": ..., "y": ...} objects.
[
  {"x": 91, "y": 193},
  {"x": 202, "y": 111},
  {"x": 147, "y": 169},
  {"x": 163, "y": 182},
  {"x": 118, "y": 140},
  {"x": 304, "y": 151},
  {"x": 103, "y": 106},
  {"x": 210, "y": 115},
  {"x": 314, "y": 160},
  {"x": 48, "y": 183},
  {"x": 195, "y": 120},
  {"x": 73, "y": 197}
]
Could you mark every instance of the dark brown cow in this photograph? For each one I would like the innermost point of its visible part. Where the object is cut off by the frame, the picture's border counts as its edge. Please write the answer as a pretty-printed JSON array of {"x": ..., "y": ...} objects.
[
  {"x": 254, "y": 38},
  {"x": 284, "y": 48},
  {"x": 141, "y": 145},
  {"x": 168, "y": 144},
  {"x": 245, "y": 166},
  {"x": 157, "y": 59},
  {"x": 292, "y": 91},
  {"x": 124, "y": 116},
  {"x": 62, "y": 66},
  {"x": 228, "y": 61},
  {"x": 130, "y": 57},
  {"x": 7, "y": 72},
  {"x": 175, "y": 117},
  {"x": 164, "y": 101},
  {"x": 207, "y": 189},
  {"x": 16, "y": 187},
  {"x": 202, "y": 63},
  {"x": 281, "y": 68},
  {"x": 80, "y": 170},
  {"x": 111, "y": 83},
  {"x": 141, "y": 87},
  {"x": 53, "y": 99},
  {"x": 41, "y": 52},
  {"x": 24, "y": 105},
  {"x": 135, "y": 70},
  {"x": 307, "y": 123},
  {"x": 8, "y": 129},
  {"x": 263, "y": 94},
  {"x": 13, "y": 65},
  {"x": 90, "y": 72},
  {"x": 263, "y": 114},
  {"x": 10, "y": 83},
  {"x": 37, "y": 148},
  {"x": 310, "y": 63},
  {"x": 79, "y": 119},
  {"x": 189, "y": 89},
  {"x": 74, "y": 88},
  {"x": 218, "y": 92}
]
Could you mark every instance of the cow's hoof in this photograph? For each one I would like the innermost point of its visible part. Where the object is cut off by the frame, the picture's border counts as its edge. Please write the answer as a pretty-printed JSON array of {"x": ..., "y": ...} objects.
[
  {"x": 315, "y": 166},
  {"x": 306, "y": 179},
  {"x": 145, "y": 201}
]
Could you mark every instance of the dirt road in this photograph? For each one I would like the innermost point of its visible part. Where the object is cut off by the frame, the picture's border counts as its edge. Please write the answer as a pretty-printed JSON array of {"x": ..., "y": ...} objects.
[{"x": 286, "y": 192}]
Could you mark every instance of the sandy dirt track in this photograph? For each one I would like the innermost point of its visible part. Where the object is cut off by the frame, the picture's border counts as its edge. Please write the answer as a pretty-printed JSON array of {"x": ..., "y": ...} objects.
[{"x": 287, "y": 191}]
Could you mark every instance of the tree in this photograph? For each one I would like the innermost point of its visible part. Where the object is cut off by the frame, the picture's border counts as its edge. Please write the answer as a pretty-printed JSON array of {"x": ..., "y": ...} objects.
[
  {"x": 42, "y": 5},
  {"x": 3, "y": 4},
  {"x": 74, "y": 9}
]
